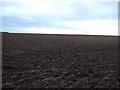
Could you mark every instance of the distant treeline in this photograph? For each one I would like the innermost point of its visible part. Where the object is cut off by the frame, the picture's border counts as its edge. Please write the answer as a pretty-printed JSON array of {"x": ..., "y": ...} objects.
[{"x": 4, "y": 32}]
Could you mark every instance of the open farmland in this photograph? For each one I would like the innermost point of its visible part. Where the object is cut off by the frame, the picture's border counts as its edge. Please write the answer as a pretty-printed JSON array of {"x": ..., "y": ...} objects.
[{"x": 59, "y": 61}]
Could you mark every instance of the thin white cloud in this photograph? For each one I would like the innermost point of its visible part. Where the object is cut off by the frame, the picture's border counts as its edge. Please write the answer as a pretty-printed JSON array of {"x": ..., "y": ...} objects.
[
  {"x": 29, "y": 7},
  {"x": 106, "y": 27},
  {"x": 56, "y": 7},
  {"x": 45, "y": 30},
  {"x": 102, "y": 27}
]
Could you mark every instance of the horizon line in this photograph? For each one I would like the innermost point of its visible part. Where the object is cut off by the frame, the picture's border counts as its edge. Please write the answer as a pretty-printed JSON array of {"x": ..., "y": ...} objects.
[{"x": 58, "y": 34}]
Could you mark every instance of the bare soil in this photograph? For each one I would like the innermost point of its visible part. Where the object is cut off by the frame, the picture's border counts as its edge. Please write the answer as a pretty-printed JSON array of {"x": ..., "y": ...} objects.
[{"x": 59, "y": 61}]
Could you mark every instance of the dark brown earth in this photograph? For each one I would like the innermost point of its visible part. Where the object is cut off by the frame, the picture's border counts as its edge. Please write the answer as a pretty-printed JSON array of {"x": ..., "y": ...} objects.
[{"x": 59, "y": 61}]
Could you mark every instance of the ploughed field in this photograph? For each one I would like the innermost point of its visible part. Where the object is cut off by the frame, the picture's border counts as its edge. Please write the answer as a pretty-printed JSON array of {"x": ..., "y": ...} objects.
[{"x": 59, "y": 61}]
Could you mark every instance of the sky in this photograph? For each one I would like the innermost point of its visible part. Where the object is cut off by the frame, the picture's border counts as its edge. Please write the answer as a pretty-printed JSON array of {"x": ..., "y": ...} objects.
[{"x": 94, "y": 17}]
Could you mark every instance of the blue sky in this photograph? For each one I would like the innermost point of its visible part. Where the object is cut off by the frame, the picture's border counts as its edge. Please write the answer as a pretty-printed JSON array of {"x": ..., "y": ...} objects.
[{"x": 94, "y": 17}]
